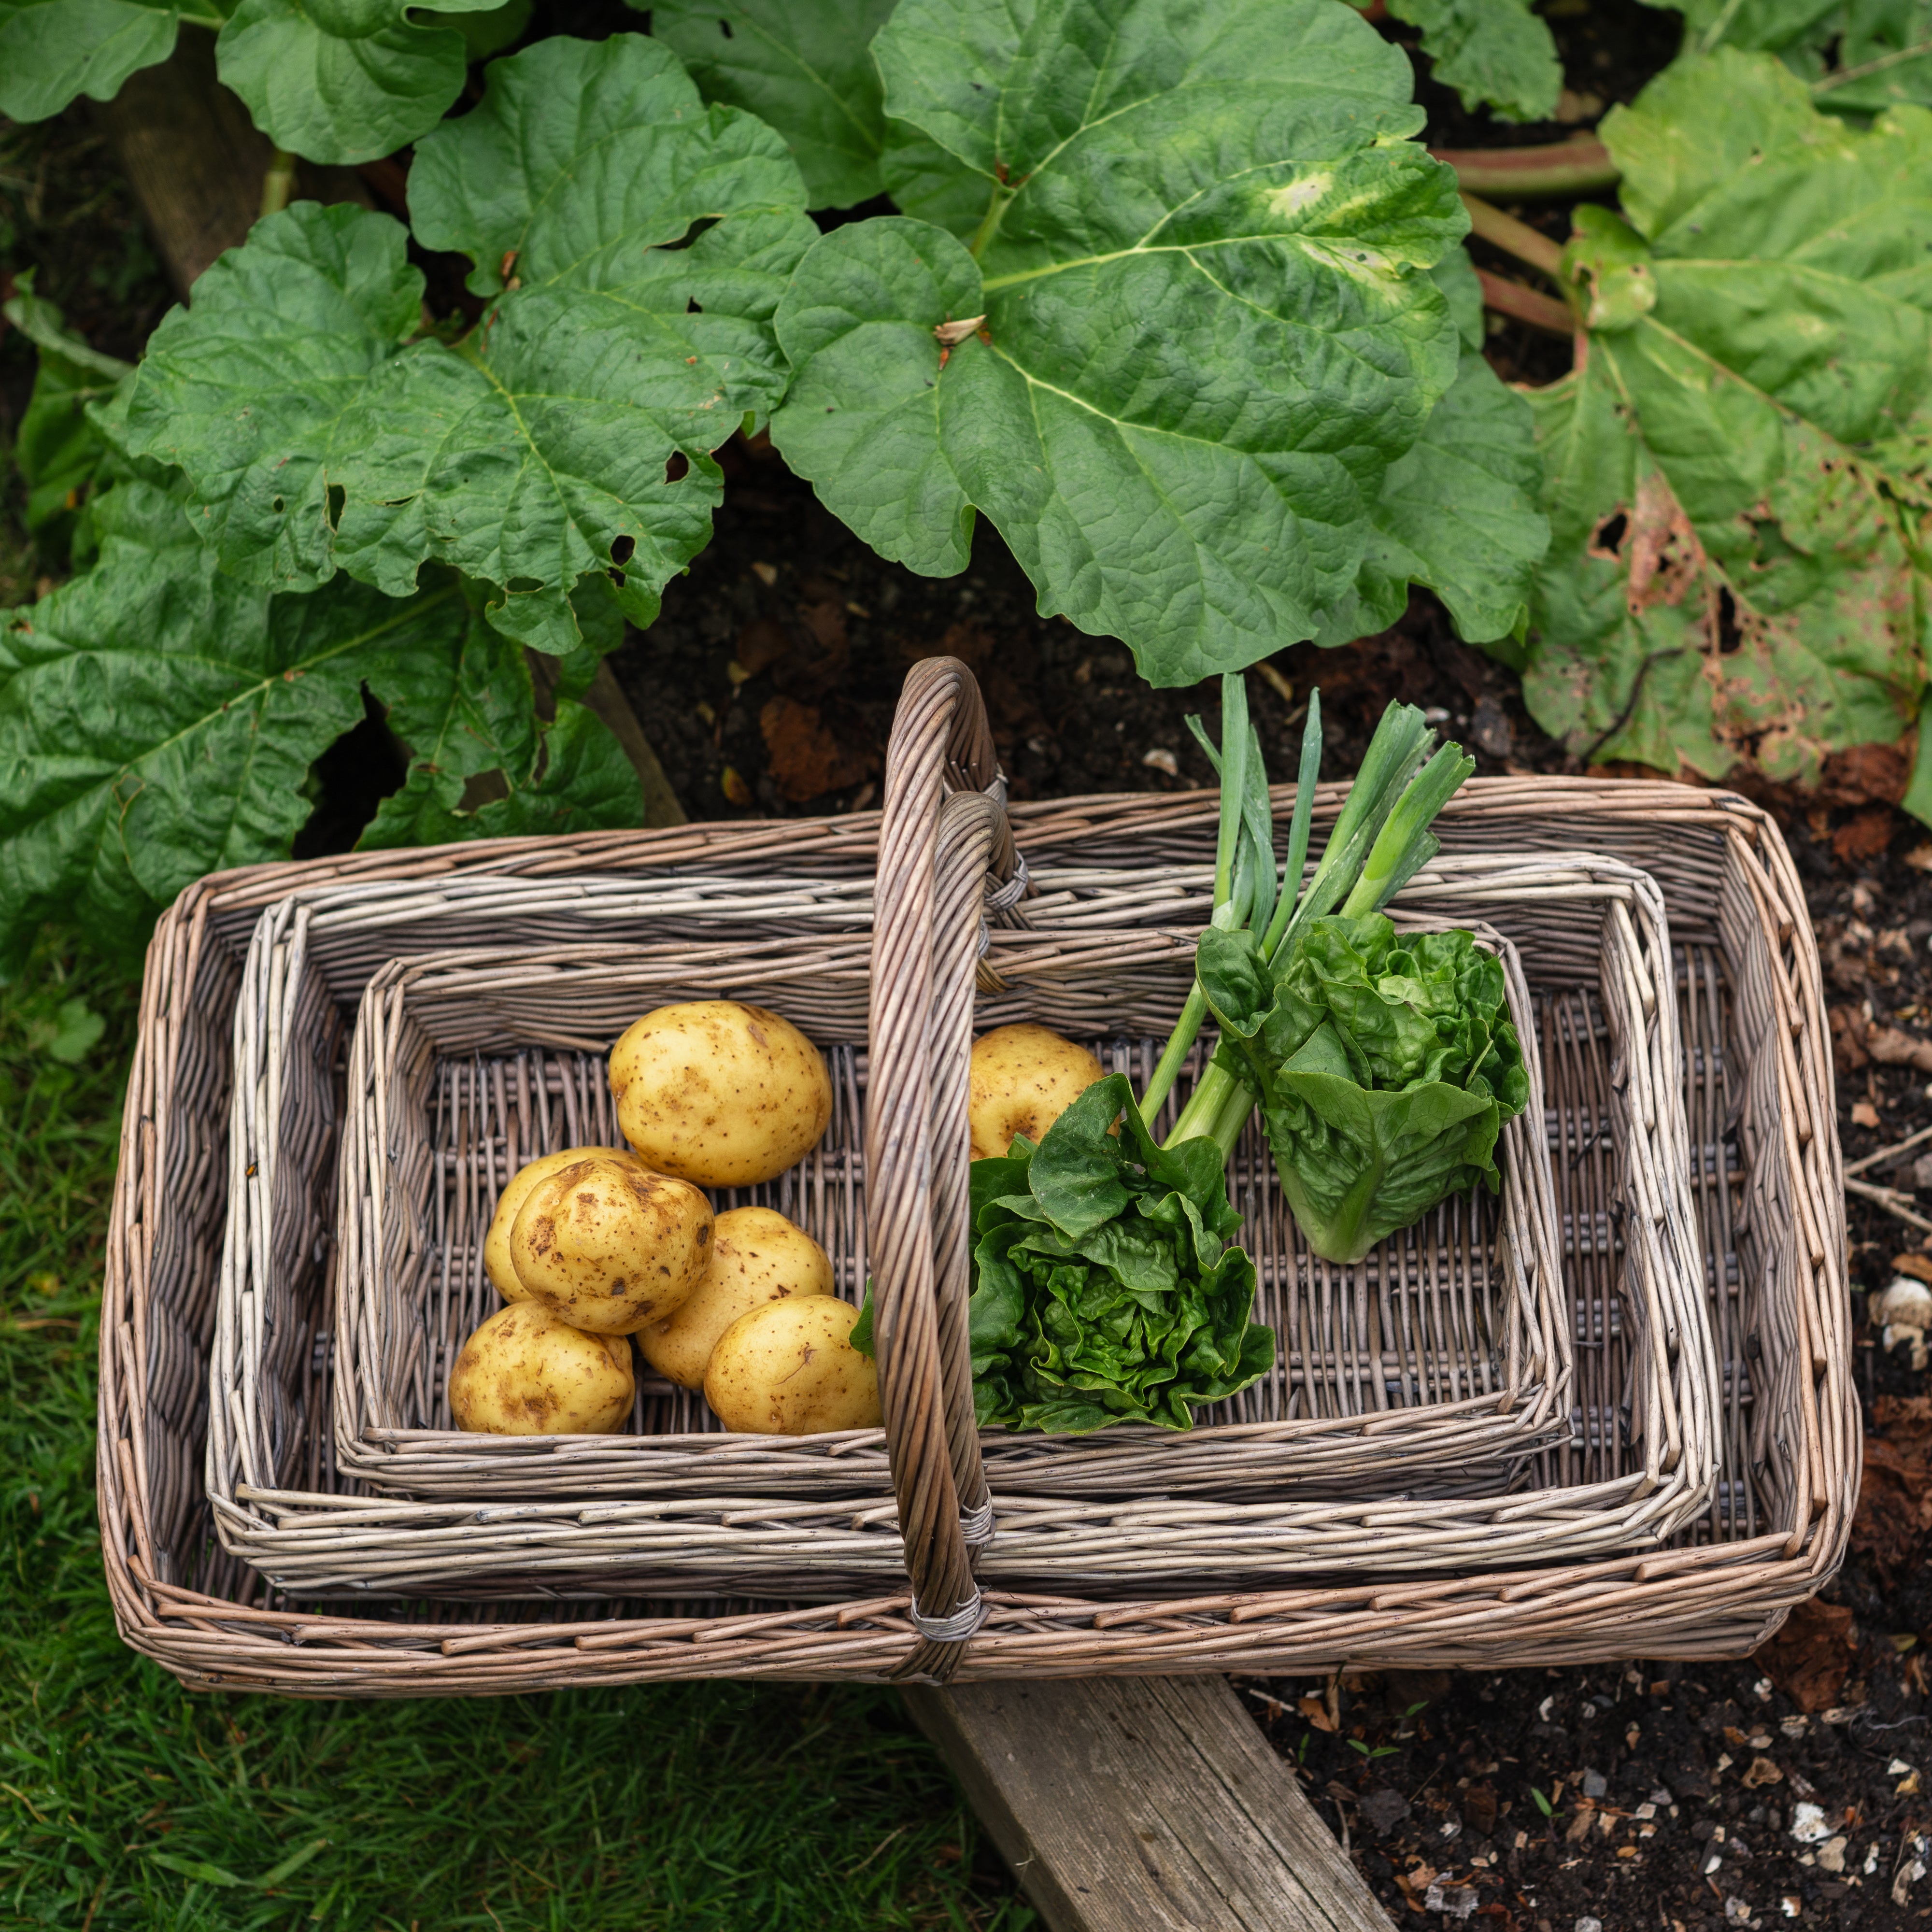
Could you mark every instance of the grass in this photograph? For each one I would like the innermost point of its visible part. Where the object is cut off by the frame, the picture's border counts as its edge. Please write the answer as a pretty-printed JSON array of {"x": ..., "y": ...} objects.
[{"x": 127, "y": 1801}]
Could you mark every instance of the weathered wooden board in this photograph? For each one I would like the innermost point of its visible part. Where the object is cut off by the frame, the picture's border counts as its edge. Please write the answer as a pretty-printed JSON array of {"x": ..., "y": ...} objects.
[{"x": 1144, "y": 1805}]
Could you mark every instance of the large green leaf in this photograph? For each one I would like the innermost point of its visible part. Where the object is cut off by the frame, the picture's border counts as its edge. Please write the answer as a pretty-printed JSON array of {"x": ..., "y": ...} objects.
[
  {"x": 1458, "y": 514},
  {"x": 158, "y": 719},
  {"x": 51, "y": 51},
  {"x": 1208, "y": 326},
  {"x": 346, "y": 80},
  {"x": 805, "y": 66},
  {"x": 1737, "y": 478},
  {"x": 483, "y": 766},
  {"x": 569, "y": 432},
  {"x": 1493, "y": 52},
  {"x": 1859, "y": 56}
]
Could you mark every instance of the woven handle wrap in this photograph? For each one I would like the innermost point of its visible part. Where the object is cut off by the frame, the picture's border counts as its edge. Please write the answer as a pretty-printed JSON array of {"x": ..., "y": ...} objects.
[{"x": 938, "y": 855}]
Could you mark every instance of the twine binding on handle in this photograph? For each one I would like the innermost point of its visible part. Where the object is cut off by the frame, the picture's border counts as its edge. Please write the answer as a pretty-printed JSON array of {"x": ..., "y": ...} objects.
[{"x": 955, "y": 1628}]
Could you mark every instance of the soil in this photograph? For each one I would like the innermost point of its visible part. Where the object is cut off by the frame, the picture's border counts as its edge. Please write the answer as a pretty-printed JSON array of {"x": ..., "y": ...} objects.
[{"x": 1680, "y": 1796}]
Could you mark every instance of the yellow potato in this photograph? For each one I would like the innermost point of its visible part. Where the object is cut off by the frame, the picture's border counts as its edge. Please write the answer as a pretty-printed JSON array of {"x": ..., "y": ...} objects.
[
  {"x": 789, "y": 1368},
  {"x": 724, "y": 1094},
  {"x": 607, "y": 1245},
  {"x": 496, "y": 1262},
  {"x": 526, "y": 1373},
  {"x": 1021, "y": 1079},
  {"x": 757, "y": 1256}
]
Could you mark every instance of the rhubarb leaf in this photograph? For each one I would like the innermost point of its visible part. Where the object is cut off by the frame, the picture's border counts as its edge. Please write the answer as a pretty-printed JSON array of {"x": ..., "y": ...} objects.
[
  {"x": 483, "y": 765},
  {"x": 1209, "y": 326},
  {"x": 158, "y": 719},
  {"x": 1496, "y": 53},
  {"x": 51, "y": 51},
  {"x": 634, "y": 244},
  {"x": 1738, "y": 473},
  {"x": 346, "y": 80},
  {"x": 807, "y": 69},
  {"x": 1858, "y": 57}
]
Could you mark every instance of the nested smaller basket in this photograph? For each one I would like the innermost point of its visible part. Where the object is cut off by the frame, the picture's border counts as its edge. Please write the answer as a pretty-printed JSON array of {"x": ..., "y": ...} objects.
[{"x": 453, "y": 1113}]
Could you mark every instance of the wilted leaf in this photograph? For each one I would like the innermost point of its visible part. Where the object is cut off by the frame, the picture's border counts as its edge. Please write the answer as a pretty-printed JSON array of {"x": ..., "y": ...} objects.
[
  {"x": 570, "y": 432},
  {"x": 1810, "y": 1657},
  {"x": 806, "y": 757},
  {"x": 805, "y": 66},
  {"x": 1209, "y": 326},
  {"x": 1737, "y": 471},
  {"x": 1496, "y": 52}
]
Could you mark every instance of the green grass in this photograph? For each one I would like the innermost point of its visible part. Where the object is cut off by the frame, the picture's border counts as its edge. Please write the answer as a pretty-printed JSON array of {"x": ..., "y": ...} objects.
[{"x": 127, "y": 1801}]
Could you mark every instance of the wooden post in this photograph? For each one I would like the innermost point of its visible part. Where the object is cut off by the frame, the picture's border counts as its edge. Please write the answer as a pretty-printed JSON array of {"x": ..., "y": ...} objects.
[
  {"x": 1144, "y": 1804},
  {"x": 195, "y": 160}
]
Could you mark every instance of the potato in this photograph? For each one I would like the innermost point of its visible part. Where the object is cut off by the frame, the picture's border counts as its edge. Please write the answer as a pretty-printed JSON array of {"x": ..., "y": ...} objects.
[
  {"x": 723, "y": 1094},
  {"x": 1021, "y": 1079},
  {"x": 526, "y": 1373},
  {"x": 496, "y": 1263},
  {"x": 757, "y": 1256},
  {"x": 607, "y": 1245},
  {"x": 789, "y": 1368}
]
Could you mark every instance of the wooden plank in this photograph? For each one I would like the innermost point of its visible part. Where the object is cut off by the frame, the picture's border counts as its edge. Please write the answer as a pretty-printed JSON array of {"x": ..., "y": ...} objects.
[
  {"x": 196, "y": 160},
  {"x": 605, "y": 700},
  {"x": 1144, "y": 1804}
]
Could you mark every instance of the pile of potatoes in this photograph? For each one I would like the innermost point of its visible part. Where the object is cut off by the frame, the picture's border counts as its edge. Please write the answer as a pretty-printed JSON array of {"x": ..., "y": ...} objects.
[{"x": 593, "y": 1246}]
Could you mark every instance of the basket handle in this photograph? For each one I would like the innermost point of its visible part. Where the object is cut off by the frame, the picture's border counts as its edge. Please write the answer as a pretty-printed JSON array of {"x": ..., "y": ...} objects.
[{"x": 936, "y": 855}]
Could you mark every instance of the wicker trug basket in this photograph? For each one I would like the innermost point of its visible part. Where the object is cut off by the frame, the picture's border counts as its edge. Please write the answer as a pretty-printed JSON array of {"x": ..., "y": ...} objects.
[
  {"x": 1766, "y": 1194},
  {"x": 417, "y": 1177}
]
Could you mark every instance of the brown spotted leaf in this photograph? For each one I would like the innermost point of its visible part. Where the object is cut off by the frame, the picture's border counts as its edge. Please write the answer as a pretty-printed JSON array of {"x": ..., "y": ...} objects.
[{"x": 1737, "y": 468}]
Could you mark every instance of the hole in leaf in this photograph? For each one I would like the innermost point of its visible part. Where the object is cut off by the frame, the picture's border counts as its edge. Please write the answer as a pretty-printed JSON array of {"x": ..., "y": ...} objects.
[
  {"x": 348, "y": 782},
  {"x": 617, "y": 576},
  {"x": 724, "y": 28},
  {"x": 691, "y": 307},
  {"x": 677, "y": 469},
  {"x": 624, "y": 549},
  {"x": 482, "y": 788},
  {"x": 1730, "y": 634},
  {"x": 337, "y": 496},
  {"x": 278, "y": 506},
  {"x": 521, "y": 586},
  {"x": 1610, "y": 534}
]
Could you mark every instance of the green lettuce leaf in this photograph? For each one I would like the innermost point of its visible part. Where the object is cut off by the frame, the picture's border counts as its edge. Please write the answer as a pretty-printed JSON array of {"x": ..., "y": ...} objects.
[
  {"x": 58, "y": 448},
  {"x": 805, "y": 66},
  {"x": 158, "y": 720},
  {"x": 51, "y": 51},
  {"x": 570, "y": 432},
  {"x": 1494, "y": 53},
  {"x": 1386, "y": 1064},
  {"x": 1737, "y": 472},
  {"x": 1201, "y": 258},
  {"x": 1105, "y": 1287}
]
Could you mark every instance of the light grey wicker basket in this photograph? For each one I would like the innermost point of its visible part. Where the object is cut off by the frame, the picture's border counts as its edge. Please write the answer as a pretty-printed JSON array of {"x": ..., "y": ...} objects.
[{"x": 1351, "y": 1485}]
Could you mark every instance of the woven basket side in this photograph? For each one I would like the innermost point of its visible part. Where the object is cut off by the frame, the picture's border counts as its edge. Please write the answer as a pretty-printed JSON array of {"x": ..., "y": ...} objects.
[{"x": 1705, "y": 1600}]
